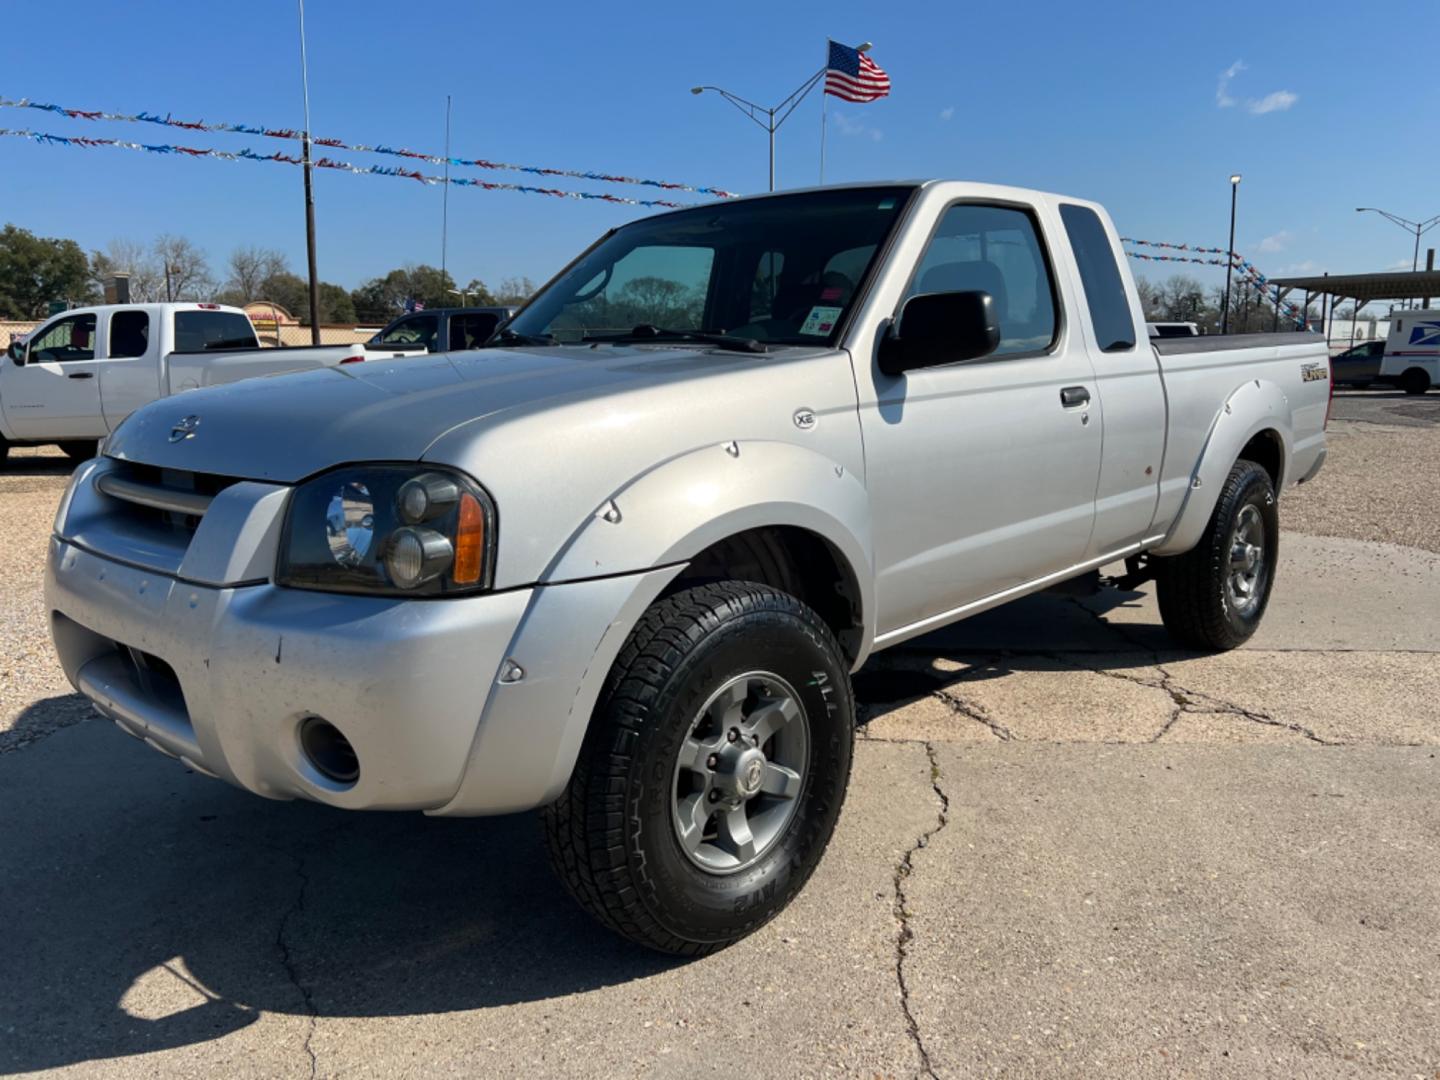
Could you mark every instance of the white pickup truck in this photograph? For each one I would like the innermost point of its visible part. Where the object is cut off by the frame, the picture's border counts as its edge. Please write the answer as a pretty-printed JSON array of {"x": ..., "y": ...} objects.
[
  {"x": 622, "y": 563},
  {"x": 76, "y": 377}
]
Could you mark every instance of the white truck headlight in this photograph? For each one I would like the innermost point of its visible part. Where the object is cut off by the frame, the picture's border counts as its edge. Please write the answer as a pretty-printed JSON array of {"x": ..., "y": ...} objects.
[{"x": 388, "y": 529}]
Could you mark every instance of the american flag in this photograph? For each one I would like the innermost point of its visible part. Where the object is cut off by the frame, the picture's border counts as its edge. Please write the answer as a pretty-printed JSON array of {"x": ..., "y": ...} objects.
[{"x": 852, "y": 76}]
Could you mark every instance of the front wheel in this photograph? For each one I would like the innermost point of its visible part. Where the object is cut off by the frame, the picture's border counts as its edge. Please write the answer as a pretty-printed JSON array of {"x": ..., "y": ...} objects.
[
  {"x": 1213, "y": 596},
  {"x": 713, "y": 772}
]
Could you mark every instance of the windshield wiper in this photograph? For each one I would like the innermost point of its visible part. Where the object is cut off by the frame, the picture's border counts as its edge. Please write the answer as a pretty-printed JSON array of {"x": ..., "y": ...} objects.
[
  {"x": 514, "y": 337},
  {"x": 648, "y": 332}
]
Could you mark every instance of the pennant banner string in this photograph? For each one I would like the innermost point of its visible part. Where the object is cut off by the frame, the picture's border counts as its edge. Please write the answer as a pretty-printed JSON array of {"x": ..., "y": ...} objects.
[
  {"x": 329, "y": 163},
  {"x": 337, "y": 144},
  {"x": 1247, "y": 269}
]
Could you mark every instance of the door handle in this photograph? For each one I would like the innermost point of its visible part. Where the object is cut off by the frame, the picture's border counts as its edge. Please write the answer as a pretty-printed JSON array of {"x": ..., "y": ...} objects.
[
  {"x": 1072, "y": 397},
  {"x": 80, "y": 375}
]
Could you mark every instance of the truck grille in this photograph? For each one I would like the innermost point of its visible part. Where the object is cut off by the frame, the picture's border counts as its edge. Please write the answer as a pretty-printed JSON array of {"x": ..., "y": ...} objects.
[{"x": 150, "y": 495}]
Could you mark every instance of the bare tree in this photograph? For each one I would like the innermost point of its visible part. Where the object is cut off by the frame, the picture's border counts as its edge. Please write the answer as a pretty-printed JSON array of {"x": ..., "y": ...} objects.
[
  {"x": 250, "y": 268},
  {"x": 184, "y": 269},
  {"x": 121, "y": 256}
]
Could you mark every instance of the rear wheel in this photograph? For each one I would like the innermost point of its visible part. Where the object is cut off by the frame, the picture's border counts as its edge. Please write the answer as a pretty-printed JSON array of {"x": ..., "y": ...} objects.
[
  {"x": 1415, "y": 381},
  {"x": 713, "y": 772},
  {"x": 1213, "y": 596},
  {"x": 80, "y": 449}
]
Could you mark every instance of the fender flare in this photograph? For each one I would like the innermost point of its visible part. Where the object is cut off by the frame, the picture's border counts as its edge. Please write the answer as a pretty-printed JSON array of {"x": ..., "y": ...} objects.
[
  {"x": 674, "y": 511},
  {"x": 1255, "y": 406}
]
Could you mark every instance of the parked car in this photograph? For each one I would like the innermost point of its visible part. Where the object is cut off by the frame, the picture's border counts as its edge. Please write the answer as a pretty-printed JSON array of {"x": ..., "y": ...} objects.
[
  {"x": 1358, "y": 366},
  {"x": 1412, "y": 351},
  {"x": 74, "y": 379},
  {"x": 445, "y": 329},
  {"x": 1173, "y": 329},
  {"x": 626, "y": 577}
]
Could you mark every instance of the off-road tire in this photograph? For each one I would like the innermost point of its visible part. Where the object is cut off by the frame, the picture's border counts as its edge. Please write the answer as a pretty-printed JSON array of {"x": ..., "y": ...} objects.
[
  {"x": 1415, "y": 381},
  {"x": 611, "y": 836},
  {"x": 80, "y": 449},
  {"x": 1191, "y": 588}
]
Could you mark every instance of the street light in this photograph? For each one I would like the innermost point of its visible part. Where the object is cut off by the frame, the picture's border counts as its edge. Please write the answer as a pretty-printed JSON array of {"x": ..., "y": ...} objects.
[
  {"x": 783, "y": 110},
  {"x": 1419, "y": 228},
  {"x": 464, "y": 295},
  {"x": 1229, "y": 256}
]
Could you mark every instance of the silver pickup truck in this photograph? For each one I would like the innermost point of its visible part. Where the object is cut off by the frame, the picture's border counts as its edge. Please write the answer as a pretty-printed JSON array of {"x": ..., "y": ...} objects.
[{"x": 621, "y": 563}]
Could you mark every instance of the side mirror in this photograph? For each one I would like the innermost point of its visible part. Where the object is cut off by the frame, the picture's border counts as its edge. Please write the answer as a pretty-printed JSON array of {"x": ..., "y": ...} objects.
[
  {"x": 16, "y": 352},
  {"x": 940, "y": 328}
]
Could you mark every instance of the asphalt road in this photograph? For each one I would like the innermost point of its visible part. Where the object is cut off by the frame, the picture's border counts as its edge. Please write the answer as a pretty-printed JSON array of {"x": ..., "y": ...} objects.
[{"x": 1068, "y": 850}]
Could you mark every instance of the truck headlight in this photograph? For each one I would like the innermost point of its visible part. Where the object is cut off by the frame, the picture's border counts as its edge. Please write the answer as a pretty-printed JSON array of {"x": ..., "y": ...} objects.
[{"x": 406, "y": 530}]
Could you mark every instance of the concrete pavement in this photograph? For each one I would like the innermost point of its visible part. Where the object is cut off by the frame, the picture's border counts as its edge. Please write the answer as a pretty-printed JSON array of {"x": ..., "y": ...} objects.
[{"x": 1038, "y": 872}]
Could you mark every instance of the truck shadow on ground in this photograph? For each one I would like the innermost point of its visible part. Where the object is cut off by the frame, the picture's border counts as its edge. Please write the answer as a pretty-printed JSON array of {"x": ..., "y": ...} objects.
[
  {"x": 1042, "y": 632},
  {"x": 36, "y": 465},
  {"x": 149, "y": 908}
]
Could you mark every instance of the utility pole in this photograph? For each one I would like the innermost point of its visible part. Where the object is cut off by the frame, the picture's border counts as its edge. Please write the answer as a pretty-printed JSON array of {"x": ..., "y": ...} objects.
[{"x": 309, "y": 193}]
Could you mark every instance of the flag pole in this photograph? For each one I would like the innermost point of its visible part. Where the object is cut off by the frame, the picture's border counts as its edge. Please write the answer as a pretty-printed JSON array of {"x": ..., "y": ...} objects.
[{"x": 824, "y": 115}]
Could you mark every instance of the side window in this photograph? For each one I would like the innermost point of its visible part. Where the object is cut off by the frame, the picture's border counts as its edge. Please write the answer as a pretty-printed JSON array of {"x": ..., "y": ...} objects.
[
  {"x": 69, "y": 339},
  {"x": 1104, "y": 288},
  {"x": 994, "y": 249},
  {"x": 470, "y": 331},
  {"x": 129, "y": 334},
  {"x": 416, "y": 330}
]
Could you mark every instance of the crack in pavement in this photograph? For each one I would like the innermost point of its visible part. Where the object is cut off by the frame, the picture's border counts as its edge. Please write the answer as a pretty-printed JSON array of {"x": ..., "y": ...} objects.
[
  {"x": 903, "y": 869},
  {"x": 298, "y": 908},
  {"x": 1184, "y": 698},
  {"x": 959, "y": 705}
]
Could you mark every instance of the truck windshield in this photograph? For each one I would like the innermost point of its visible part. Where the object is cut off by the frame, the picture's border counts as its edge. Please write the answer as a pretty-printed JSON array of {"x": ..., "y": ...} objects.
[
  {"x": 209, "y": 331},
  {"x": 781, "y": 270}
]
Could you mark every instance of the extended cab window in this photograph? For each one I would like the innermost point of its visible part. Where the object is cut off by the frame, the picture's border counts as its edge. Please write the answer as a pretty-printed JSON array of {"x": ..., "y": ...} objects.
[
  {"x": 469, "y": 331},
  {"x": 212, "y": 331},
  {"x": 129, "y": 334},
  {"x": 1104, "y": 290},
  {"x": 994, "y": 249},
  {"x": 69, "y": 339}
]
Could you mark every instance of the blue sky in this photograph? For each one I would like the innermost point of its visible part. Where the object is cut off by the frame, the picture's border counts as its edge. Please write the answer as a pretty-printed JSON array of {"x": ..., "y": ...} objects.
[{"x": 1121, "y": 102}]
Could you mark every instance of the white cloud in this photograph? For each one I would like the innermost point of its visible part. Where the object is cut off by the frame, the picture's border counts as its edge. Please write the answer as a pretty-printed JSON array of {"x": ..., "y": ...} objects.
[
  {"x": 947, "y": 112},
  {"x": 1275, "y": 101},
  {"x": 1309, "y": 266},
  {"x": 848, "y": 125},
  {"x": 1222, "y": 89},
  {"x": 1400, "y": 264},
  {"x": 1274, "y": 242},
  {"x": 1278, "y": 101}
]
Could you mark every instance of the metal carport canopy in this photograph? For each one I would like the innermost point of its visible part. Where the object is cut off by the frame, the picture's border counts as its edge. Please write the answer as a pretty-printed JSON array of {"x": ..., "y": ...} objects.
[{"x": 1403, "y": 285}]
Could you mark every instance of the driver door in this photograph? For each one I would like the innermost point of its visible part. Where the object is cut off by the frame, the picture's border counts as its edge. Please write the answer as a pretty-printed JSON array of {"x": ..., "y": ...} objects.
[{"x": 55, "y": 394}]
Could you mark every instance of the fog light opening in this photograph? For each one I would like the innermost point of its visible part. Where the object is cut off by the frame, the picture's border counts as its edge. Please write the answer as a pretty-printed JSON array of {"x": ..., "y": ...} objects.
[{"x": 329, "y": 751}]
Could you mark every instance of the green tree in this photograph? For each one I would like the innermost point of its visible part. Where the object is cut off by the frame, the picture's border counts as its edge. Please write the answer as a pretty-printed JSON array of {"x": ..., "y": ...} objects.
[
  {"x": 35, "y": 270},
  {"x": 383, "y": 298}
]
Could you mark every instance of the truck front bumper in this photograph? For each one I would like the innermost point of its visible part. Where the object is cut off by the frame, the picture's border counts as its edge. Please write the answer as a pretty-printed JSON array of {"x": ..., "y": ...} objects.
[{"x": 224, "y": 679}]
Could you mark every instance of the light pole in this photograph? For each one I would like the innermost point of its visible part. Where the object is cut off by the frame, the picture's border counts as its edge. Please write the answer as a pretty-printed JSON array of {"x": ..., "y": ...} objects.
[
  {"x": 1229, "y": 256},
  {"x": 464, "y": 295},
  {"x": 775, "y": 115},
  {"x": 1419, "y": 228}
]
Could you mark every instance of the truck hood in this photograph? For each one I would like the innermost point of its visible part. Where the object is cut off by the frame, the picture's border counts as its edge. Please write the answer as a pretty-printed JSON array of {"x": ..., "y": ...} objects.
[{"x": 287, "y": 427}]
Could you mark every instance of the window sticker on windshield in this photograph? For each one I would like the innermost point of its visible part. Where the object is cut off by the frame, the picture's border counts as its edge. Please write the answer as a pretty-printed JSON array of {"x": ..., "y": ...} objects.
[{"x": 820, "y": 321}]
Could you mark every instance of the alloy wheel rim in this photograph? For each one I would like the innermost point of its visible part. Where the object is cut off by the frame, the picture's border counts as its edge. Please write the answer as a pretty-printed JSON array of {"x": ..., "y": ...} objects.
[
  {"x": 1246, "y": 580},
  {"x": 740, "y": 772}
]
